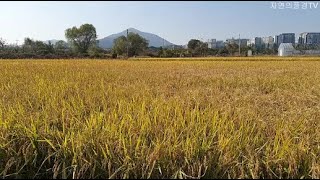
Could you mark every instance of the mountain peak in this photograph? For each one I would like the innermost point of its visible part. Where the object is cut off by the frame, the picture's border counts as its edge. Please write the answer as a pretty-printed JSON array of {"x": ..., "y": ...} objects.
[
  {"x": 133, "y": 30},
  {"x": 154, "y": 40}
]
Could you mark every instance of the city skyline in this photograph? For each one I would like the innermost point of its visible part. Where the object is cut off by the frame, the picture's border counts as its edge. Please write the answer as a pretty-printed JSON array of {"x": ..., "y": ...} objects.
[{"x": 178, "y": 22}]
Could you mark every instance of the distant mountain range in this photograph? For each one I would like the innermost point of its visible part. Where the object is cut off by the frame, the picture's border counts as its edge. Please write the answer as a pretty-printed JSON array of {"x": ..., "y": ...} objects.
[
  {"x": 154, "y": 40},
  {"x": 107, "y": 42}
]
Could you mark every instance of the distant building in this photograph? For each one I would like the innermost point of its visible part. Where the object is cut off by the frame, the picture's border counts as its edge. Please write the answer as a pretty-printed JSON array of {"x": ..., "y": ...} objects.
[
  {"x": 300, "y": 39},
  {"x": 285, "y": 38},
  {"x": 268, "y": 42},
  {"x": 309, "y": 38},
  {"x": 220, "y": 44},
  {"x": 243, "y": 42},
  {"x": 275, "y": 39},
  {"x": 256, "y": 42},
  {"x": 214, "y": 44}
]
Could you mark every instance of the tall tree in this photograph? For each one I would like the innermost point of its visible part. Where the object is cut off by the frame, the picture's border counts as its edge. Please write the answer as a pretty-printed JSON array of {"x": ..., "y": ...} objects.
[
  {"x": 2, "y": 43},
  {"x": 60, "y": 46},
  {"x": 137, "y": 44},
  {"x": 232, "y": 48},
  {"x": 203, "y": 48},
  {"x": 197, "y": 47},
  {"x": 120, "y": 45},
  {"x": 194, "y": 45},
  {"x": 134, "y": 42},
  {"x": 38, "y": 47},
  {"x": 82, "y": 38},
  {"x": 160, "y": 52}
]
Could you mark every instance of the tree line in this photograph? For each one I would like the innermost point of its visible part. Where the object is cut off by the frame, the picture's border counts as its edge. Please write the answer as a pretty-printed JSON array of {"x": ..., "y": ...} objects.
[{"x": 82, "y": 43}]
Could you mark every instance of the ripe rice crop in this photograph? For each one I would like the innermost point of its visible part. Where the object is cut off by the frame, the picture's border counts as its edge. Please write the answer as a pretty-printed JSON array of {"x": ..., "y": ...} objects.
[{"x": 153, "y": 119}]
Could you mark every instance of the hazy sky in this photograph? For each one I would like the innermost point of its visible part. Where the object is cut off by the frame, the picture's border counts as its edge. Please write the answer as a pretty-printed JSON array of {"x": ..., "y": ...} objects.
[{"x": 177, "y": 21}]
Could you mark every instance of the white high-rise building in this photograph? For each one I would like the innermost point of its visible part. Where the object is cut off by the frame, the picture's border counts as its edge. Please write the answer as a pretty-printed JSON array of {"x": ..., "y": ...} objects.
[
  {"x": 257, "y": 42},
  {"x": 268, "y": 41},
  {"x": 212, "y": 44}
]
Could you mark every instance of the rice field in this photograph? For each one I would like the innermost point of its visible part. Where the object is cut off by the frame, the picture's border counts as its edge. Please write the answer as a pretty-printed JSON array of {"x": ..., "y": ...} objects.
[{"x": 220, "y": 118}]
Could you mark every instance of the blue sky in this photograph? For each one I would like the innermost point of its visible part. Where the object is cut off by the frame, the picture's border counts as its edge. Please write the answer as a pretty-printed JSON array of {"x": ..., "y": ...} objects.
[{"x": 177, "y": 21}]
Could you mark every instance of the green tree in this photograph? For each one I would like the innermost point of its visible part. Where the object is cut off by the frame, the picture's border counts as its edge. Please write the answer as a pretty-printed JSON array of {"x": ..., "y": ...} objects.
[
  {"x": 120, "y": 45},
  {"x": 194, "y": 43},
  {"x": 203, "y": 48},
  {"x": 168, "y": 53},
  {"x": 161, "y": 52},
  {"x": 135, "y": 44},
  {"x": 95, "y": 51},
  {"x": 49, "y": 47},
  {"x": 81, "y": 38},
  {"x": 28, "y": 45},
  {"x": 194, "y": 46},
  {"x": 37, "y": 47},
  {"x": 223, "y": 52},
  {"x": 232, "y": 48},
  {"x": 197, "y": 47},
  {"x": 2, "y": 43},
  {"x": 213, "y": 52},
  {"x": 60, "y": 46}
]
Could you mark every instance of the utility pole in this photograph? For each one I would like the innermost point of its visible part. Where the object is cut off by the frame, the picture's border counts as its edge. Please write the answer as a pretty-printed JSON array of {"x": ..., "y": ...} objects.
[
  {"x": 239, "y": 46},
  {"x": 162, "y": 42},
  {"x": 127, "y": 44}
]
